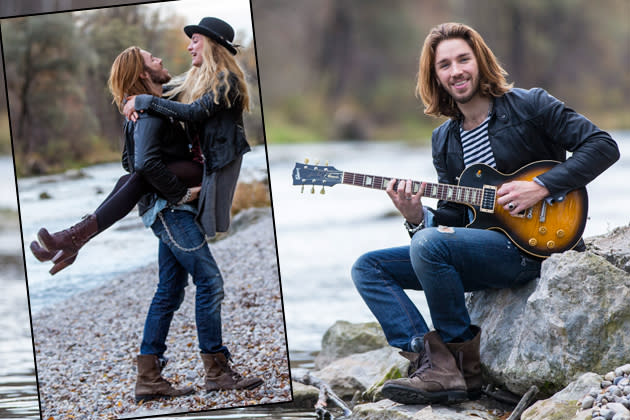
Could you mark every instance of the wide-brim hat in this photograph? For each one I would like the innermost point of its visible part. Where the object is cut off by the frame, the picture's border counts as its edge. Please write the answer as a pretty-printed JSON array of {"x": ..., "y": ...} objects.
[{"x": 215, "y": 29}]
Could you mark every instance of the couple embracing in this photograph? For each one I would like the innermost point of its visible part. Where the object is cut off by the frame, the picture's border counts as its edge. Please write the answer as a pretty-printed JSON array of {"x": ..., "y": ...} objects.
[{"x": 183, "y": 179}]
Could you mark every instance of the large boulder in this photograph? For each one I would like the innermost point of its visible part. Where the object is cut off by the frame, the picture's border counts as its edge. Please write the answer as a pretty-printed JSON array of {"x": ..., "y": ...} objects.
[
  {"x": 345, "y": 338},
  {"x": 363, "y": 371},
  {"x": 575, "y": 318},
  {"x": 614, "y": 246}
]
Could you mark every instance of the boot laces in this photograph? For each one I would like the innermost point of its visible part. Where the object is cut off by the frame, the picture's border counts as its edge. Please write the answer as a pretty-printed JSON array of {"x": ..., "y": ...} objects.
[
  {"x": 227, "y": 368},
  {"x": 424, "y": 363}
]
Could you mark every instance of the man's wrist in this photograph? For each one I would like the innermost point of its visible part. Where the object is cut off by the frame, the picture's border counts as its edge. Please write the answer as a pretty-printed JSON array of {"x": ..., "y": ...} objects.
[{"x": 413, "y": 227}]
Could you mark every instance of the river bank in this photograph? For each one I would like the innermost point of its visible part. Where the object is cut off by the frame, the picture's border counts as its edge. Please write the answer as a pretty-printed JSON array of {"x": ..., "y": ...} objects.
[{"x": 86, "y": 345}]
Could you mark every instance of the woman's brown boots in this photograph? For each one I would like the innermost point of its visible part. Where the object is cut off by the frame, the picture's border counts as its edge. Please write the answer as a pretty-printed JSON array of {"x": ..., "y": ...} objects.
[{"x": 62, "y": 247}]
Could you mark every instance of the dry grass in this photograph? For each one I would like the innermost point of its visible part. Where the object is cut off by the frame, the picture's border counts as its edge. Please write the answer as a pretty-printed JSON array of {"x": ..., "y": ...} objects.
[{"x": 248, "y": 195}]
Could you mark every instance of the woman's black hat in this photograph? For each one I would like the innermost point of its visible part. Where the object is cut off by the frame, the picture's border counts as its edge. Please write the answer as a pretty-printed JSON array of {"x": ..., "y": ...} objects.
[{"x": 216, "y": 29}]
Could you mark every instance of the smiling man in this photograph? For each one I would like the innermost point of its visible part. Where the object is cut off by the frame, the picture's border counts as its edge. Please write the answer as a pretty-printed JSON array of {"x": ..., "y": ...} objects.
[{"x": 505, "y": 128}]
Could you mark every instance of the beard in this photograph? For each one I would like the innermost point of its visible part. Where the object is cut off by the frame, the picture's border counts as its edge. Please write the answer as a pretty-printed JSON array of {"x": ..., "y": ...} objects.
[
  {"x": 159, "y": 77},
  {"x": 465, "y": 98}
]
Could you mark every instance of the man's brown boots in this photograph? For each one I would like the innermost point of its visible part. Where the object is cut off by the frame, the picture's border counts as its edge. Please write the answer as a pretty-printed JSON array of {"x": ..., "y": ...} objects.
[
  {"x": 219, "y": 374},
  {"x": 150, "y": 384},
  {"x": 467, "y": 357},
  {"x": 436, "y": 380}
]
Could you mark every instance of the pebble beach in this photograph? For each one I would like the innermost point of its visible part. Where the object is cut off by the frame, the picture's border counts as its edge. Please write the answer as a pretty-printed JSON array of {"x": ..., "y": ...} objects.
[{"x": 86, "y": 346}]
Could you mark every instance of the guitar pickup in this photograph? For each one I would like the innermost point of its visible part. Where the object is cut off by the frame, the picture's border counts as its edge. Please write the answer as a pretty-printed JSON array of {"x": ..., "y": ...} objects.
[{"x": 488, "y": 199}]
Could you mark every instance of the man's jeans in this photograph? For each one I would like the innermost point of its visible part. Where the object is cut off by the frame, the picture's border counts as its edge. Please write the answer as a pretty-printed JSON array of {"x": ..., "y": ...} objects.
[
  {"x": 445, "y": 263},
  {"x": 189, "y": 254}
]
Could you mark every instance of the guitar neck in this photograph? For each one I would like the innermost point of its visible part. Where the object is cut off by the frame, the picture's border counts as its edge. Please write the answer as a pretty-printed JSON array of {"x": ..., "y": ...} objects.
[{"x": 447, "y": 192}]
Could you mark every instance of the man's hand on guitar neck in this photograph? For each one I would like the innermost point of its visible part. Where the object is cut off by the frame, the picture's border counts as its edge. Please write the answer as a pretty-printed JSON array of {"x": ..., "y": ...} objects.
[
  {"x": 517, "y": 196},
  {"x": 409, "y": 204}
]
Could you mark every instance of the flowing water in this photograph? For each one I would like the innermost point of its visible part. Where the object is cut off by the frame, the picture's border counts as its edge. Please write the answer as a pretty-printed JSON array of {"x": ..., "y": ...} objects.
[{"x": 18, "y": 388}]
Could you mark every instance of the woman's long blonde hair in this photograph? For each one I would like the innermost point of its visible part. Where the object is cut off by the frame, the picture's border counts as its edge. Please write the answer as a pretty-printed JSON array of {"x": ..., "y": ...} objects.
[
  {"x": 491, "y": 75},
  {"x": 124, "y": 77},
  {"x": 218, "y": 64}
]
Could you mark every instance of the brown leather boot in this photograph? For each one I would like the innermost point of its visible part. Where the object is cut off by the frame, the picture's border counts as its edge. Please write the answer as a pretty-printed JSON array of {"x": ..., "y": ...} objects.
[
  {"x": 150, "y": 384},
  {"x": 468, "y": 360},
  {"x": 219, "y": 374},
  {"x": 43, "y": 255},
  {"x": 70, "y": 240},
  {"x": 437, "y": 379}
]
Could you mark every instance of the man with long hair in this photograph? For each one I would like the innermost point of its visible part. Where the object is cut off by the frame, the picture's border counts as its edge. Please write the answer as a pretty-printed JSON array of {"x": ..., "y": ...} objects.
[{"x": 503, "y": 127}]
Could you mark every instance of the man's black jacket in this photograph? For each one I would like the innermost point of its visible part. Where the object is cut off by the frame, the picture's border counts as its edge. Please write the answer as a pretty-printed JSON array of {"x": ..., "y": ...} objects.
[
  {"x": 150, "y": 144},
  {"x": 526, "y": 126}
]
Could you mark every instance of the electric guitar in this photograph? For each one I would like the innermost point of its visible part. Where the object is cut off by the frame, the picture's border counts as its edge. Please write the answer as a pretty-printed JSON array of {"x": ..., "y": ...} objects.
[{"x": 540, "y": 230}]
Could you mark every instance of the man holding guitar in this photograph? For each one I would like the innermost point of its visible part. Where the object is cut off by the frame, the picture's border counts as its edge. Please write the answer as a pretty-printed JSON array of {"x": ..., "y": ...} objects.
[{"x": 504, "y": 128}]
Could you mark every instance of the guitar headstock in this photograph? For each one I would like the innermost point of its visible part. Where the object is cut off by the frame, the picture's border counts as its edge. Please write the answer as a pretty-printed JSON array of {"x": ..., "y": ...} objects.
[{"x": 324, "y": 175}]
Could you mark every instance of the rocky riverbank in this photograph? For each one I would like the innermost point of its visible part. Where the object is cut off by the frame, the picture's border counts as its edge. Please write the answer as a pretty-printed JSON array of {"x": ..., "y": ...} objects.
[
  {"x": 86, "y": 346},
  {"x": 565, "y": 332}
]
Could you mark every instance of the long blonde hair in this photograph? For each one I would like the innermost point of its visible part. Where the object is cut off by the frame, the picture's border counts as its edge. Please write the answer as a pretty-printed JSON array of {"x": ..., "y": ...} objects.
[
  {"x": 124, "y": 76},
  {"x": 491, "y": 75},
  {"x": 218, "y": 64}
]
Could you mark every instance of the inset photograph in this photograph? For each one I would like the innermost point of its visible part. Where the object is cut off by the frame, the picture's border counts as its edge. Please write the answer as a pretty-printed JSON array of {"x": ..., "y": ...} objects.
[{"x": 149, "y": 242}]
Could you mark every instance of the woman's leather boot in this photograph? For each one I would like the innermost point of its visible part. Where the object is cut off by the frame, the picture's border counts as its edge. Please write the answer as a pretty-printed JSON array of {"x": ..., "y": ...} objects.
[
  {"x": 468, "y": 360},
  {"x": 436, "y": 380},
  {"x": 43, "y": 255},
  {"x": 219, "y": 374},
  {"x": 150, "y": 384},
  {"x": 70, "y": 240}
]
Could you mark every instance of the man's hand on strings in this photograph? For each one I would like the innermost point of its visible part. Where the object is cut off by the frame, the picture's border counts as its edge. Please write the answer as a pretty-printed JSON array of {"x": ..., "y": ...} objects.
[{"x": 408, "y": 203}]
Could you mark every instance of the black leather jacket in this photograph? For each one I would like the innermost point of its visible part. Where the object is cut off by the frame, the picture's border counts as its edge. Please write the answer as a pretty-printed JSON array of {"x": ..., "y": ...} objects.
[
  {"x": 527, "y": 126},
  {"x": 220, "y": 127},
  {"x": 151, "y": 143}
]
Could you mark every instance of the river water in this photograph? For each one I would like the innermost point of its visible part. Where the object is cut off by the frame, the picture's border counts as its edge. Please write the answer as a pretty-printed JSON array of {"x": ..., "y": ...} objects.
[
  {"x": 319, "y": 237},
  {"x": 18, "y": 388}
]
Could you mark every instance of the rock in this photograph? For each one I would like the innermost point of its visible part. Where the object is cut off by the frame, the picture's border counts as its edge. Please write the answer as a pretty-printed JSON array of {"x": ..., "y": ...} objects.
[
  {"x": 388, "y": 410},
  {"x": 543, "y": 334},
  {"x": 363, "y": 371},
  {"x": 613, "y": 246},
  {"x": 73, "y": 174},
  {"x": 345, "y": 338},
  {"x": 564, "y": 404},
  {"x": 304, "y": 396}
]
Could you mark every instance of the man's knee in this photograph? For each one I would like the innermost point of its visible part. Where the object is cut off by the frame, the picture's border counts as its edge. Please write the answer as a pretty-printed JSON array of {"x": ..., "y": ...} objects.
[
  {"x": 360, "y": 269},
  {"x": 428, "y": 242}
]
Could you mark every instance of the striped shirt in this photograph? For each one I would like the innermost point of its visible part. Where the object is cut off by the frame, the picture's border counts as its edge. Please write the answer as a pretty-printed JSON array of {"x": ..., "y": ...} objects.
[{"x": 476, "y": 145}]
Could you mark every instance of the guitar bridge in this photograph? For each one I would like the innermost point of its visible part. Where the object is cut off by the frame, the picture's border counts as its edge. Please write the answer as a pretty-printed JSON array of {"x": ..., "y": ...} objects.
[{"x": 488, "y": 199}]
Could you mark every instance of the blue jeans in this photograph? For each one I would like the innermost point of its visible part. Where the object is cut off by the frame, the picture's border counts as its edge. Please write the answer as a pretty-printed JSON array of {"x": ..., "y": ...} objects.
[
  {"x": 444, "y": 265},
  {"x": 189, "y": 254}
]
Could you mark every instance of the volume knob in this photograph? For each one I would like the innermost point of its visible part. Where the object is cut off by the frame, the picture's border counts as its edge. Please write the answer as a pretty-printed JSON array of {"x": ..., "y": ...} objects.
[
  {"x": 551, "y": 244},
  {"x": 533, "y": 242},
  {"x": 560, "y": 233}
]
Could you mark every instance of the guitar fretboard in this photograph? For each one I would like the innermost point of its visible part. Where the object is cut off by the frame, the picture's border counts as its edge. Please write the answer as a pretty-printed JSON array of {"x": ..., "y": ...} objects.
[{"x": 455, "y": 193}]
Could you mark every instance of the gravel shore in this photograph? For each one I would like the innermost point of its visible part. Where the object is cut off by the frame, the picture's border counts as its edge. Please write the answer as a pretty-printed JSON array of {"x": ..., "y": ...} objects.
[{"x": 86, "y": 346}]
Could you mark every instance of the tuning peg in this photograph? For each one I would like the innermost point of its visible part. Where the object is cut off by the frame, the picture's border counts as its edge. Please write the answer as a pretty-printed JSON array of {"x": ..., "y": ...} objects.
[
  {"x": 302, "y": 191},
  {"x": 313, "y": 189},
  {"x": 322, "y": 191},
  {"x": 306, "y": 161},
  {"x": 317, "y": 162},
  {"x": 326, "y": 163}
]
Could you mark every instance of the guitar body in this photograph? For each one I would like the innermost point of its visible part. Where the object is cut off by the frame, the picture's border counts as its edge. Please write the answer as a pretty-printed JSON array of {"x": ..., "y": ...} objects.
[{"x": 541, "y": 230}]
